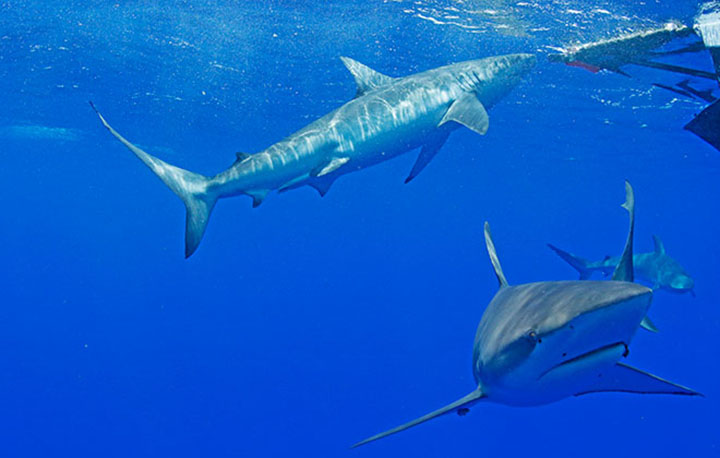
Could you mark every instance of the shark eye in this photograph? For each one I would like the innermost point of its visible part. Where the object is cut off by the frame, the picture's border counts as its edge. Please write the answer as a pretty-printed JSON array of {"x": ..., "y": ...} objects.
[{"x": 532, "y": 335}]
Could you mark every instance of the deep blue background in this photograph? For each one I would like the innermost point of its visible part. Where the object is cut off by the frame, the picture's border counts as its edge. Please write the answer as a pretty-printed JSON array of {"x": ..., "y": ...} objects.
[{"x": 307, "y": 324}]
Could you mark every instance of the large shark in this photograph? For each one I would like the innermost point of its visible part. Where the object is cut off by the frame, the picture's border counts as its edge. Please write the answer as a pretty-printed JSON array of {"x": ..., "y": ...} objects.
[
  {"x": 656, "y": 267},
  {"x": 538, "y": 343},
  {"x": 387, "y": 117}
]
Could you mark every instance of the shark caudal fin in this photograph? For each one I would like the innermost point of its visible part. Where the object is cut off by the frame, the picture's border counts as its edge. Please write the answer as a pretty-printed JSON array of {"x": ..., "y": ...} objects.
[
  {"x": 191, "y": 187},
  {"x": 460, "y": 406},
  {"x": 580, "y": 264}
]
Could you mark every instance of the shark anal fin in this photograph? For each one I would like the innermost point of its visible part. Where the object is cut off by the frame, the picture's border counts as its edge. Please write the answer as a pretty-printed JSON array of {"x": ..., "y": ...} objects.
[
  {"x": 490, "y": 245},
  {"x": 468, "y": 111},
  {"x": 659, "y": 247},
  {"x": 625, "y": 378},
  {"x": 427, "y": 153},
  {"x": 334, "y": 164},
  {"x": 648, "y": 325},
  {"x": 366, "y": 78},
  {"x": 258, "y": 196},
  {"x": 624, "y": 269},
  {"x": 459, "y": 406}
]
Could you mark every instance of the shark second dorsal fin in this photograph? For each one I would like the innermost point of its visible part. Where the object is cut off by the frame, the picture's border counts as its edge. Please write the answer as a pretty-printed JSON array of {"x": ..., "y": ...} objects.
[
  {"x": 241, "y": 157},
  {"x": 624, "y": 269},
  {"x": 494, "y": 258},
  {"x": 366, "y": 78},
  {"x": 659, "y": 247}
]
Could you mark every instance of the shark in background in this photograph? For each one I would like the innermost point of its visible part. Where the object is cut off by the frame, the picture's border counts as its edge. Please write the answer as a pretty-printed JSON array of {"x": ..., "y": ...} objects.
[
  {"x": 538, "y": 343},
  {"x": 656, "y": 268},
  {"x": 388, "y": 117}
]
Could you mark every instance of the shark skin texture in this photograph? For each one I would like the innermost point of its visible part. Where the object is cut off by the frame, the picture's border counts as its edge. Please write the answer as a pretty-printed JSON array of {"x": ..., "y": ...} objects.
[
  {"x": 388, "y": 117},
  {"x": 542, "y": 342}
]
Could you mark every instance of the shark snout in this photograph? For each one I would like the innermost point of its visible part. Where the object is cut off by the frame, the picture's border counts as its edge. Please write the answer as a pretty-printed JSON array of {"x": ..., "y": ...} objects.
[
  {"x": 682, "y": 283},
  {"x": 525, "y": 62}
]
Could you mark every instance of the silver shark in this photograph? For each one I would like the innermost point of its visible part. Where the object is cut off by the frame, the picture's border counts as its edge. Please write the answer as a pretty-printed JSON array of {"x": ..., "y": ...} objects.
[
  {"x": 387, "y": 117},
  {"x": 656, "y": 268},
  {"x": 538, "y": 343}
]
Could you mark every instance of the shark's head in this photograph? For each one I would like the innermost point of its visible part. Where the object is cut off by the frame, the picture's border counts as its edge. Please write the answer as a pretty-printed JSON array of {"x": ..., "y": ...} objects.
[
  {"x": 537, "y": 332},
  {"x": 681, "y": 283},
  {"x": 493, "y": 77},
  {"x": 540, "y": 342}
]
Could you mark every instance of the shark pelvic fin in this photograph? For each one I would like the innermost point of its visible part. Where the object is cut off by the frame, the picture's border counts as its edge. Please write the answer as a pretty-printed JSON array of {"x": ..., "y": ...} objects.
[
  {"x": 334, "y": 164},
  {"x": 427, "y": 153},
  {"x": 460, "y": 406},
  {"x": 648, "y": 325},
  {"x": 468, "y": 111},
  {"x": 659, "y": 246},
  {"x": 625, "y": 378},
  {"x": 258, "y": 196},
  {"x": 191, "y": 187},
  {"x": 494, "y": 257},
  {"x": 624, "y": 269},
  {"x": 366, "y": 78}
]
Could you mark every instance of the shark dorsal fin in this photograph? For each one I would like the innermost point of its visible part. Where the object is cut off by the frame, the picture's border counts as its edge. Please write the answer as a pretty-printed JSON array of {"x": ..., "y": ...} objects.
[
  {"x": 494, "y": 258},
  {"x": 624, "y": 269},
  {"x": 659, "y": 247},
  {"x": 366, "y": 78}
]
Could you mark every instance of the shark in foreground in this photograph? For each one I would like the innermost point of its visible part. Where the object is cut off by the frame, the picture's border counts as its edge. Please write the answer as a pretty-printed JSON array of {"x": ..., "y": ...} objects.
[
  {"x": 657, "y": 268},
  {"x": 387, "y": 117},
  {"x": 539, "y": 343}
]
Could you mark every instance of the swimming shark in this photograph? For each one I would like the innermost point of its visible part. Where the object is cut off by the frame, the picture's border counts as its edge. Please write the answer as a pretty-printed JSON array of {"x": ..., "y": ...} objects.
[
  {"x": 538, "y": 343},
  {"x": 656, "y": 267},
  {"x": 388, "y": 116}
]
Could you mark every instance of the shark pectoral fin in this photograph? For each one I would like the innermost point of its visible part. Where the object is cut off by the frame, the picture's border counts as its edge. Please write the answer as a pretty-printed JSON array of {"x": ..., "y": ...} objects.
[
  {"x": 322, "y": 185},
  {"x": 468, "y": 111},
  {"x": 365, "y": 77},
  {"x": 460, "y": 406},
  {"x": 624, "y": 269},
  {"x": 625, "y": 378},
  {"x": 659, "y": 246},
  {"x": 258, "y": 196},
  {"x": 427, "y": 153},
  {"x": 334, "y": 164},
  {"x": 648, "y": 325},
  {"x": 490, "y": 245}
]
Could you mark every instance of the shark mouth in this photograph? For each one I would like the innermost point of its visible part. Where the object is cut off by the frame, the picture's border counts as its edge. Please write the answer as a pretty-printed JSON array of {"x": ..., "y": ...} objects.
[{"x": 589, "y": 355}]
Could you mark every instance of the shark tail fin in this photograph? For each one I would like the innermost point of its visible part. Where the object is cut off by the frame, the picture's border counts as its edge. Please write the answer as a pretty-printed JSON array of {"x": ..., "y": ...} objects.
[
  {"x": 191, "y": 187},
  {"x": 460, "y": 406},
  {"x": 580, "y": 264}
]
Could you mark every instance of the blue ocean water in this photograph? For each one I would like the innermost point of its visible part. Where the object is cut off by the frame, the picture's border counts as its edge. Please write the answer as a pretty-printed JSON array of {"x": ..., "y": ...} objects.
[{"x": 307, "y": 324}]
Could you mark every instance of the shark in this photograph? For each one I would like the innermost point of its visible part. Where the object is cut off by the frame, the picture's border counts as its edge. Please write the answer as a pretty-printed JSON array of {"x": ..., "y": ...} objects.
[
  {"x": 388, "y": 116},
  {"x": 656, "y": 268},
  {"x": 538, "y": 343}
]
